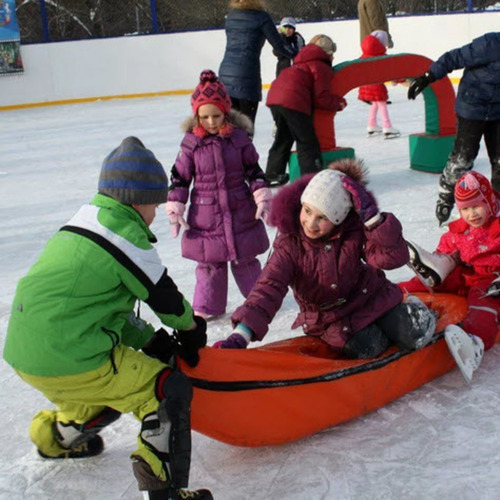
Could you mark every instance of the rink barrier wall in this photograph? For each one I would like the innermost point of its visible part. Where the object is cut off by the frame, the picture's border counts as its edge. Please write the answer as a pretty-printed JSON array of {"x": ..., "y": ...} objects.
[{"x": 152, "y": 65}]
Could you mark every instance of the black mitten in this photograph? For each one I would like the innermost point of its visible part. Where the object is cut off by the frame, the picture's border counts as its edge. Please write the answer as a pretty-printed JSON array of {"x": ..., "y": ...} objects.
[
  {"x": 419, "y": 84},
  {"x": 192, "y": 340},
  {"x": 161, "y": 346}
]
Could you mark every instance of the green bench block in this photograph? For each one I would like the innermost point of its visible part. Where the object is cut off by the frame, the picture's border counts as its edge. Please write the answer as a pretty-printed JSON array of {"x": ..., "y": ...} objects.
[
  {"x": 430, "y": 152},
  {"x": 326, "y": 156}
]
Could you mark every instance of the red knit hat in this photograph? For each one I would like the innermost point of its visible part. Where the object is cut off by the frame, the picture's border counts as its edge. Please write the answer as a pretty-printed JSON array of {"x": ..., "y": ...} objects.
[
  {"x": 473, "y": 189},
  {"x": 210, "y": 91}
]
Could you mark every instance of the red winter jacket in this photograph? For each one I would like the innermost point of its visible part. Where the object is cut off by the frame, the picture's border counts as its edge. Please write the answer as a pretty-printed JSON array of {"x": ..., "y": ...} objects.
[
  {"x": 476, "y": 247},
  {"x": 305, "y": 86},
  {"x": 371, "y": 47},
  {"x": 337, "y": 282}
]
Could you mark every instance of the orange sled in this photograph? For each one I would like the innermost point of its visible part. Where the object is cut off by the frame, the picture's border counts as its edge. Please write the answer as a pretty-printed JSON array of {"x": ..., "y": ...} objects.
[{"x": 293, "y": 388}]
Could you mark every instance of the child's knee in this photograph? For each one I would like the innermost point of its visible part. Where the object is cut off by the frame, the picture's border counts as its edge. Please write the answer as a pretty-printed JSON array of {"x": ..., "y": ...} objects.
[
  {"x": 368, "y": 343},
  {"x": 483, "y": 322}
]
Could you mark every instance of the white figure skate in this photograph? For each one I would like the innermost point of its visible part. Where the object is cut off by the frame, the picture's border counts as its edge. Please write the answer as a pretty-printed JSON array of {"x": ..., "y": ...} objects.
[
  {"x": 430, "y": 268},
  {"x": 467, "y": 350}
]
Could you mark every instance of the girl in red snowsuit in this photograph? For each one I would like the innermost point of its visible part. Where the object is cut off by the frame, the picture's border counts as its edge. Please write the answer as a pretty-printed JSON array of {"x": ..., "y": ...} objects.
[{"x": 473, "y": 242}]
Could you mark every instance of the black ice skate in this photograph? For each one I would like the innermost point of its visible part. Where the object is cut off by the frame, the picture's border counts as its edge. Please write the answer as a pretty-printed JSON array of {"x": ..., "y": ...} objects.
[
  {"x": 90, "y": 448},
  {"x": 178, "y": 494}
]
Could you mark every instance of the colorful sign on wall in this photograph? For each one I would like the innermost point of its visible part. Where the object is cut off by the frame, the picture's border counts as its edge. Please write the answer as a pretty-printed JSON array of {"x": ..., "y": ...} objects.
[{"x": 10, "y": 40}]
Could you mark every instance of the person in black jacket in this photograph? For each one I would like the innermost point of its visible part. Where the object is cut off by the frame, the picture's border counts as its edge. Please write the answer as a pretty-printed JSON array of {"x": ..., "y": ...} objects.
[
  {"x": 477, "y": 108},
  {"x": 248, "y": 26},
  {"x": 291, "y": 38}
]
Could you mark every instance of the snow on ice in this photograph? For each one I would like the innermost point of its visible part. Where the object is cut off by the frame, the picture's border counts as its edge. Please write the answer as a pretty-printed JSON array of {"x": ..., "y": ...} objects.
[{"x": 441, "y": 441}]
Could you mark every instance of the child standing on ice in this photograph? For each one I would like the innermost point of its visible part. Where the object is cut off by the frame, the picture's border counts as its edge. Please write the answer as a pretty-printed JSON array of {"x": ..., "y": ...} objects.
[
  {"x": 467, "y": 262},
  {"x": 229, "y": 196},
  {"x": 332, "y": 246},
  {"x": 375, "y": 45}
]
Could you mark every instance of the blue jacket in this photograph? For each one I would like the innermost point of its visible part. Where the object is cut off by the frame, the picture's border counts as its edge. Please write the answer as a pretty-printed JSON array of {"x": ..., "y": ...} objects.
[
  {"x": 246, "y": 33},
  {"x": 478, "y": 95}
]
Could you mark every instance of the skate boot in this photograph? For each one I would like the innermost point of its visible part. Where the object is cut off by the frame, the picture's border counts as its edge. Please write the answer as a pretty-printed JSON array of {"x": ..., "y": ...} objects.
[
  {"x": 391, "y": 133},
  {"x": 279, "y": 180},
  {"x": 430, "y": 268},
  {"x": 90, "y": 448},
  {"x": 373, "y": 130},
  {"x": 466, "y": 349},
  {"x": 178, "y": 494},
  {"x": 445, "y": 202}
]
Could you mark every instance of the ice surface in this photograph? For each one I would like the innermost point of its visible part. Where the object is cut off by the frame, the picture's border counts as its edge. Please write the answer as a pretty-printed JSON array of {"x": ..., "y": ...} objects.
[{"x": 442, "y": 441}]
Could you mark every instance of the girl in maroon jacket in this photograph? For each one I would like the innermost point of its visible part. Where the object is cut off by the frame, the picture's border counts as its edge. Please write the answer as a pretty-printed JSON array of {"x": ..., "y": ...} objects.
[
  {"x": 293, "y": 97},
  {"x": 467, "y": 262},
  {"x": 375, "y": 45},
  {"x": 332, "y": 246}
]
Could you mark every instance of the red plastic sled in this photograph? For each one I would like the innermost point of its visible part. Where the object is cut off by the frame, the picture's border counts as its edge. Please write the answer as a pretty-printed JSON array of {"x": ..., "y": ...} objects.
[{"x": 293, "y": 388}]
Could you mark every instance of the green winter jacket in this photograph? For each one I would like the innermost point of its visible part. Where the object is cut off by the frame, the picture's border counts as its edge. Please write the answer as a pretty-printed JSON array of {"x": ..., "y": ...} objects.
[{"x": 76, "y": 303}]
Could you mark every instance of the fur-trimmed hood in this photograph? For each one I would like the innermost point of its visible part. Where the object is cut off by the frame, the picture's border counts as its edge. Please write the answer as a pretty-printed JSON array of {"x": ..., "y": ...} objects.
[
  {"x": 236, "y": 119},
  {"x": 286, "y": 205}
]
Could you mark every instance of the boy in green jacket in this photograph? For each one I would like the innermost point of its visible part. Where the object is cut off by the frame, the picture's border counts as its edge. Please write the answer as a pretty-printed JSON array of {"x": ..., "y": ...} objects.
[{"x": 73, "y": 333}]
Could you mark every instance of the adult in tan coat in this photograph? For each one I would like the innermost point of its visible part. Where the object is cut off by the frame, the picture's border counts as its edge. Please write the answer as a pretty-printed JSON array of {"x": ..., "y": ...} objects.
[{"x": 372, "y": 17}]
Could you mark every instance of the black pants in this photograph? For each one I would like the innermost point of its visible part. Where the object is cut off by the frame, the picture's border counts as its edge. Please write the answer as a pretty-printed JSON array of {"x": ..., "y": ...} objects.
[
  {"x": 292, "y": 126},
  {"x": 248, "y": 108},
  {"x": 403, "y": 325},
  {"x": 466, "y": 149}
]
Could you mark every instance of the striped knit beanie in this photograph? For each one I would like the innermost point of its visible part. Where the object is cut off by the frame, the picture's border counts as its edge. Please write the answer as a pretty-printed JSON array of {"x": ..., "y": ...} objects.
[
  {"x": 473, "y": 189},
  {"x": 132, "y": 175},
  {"x": 210, "y": 91}
]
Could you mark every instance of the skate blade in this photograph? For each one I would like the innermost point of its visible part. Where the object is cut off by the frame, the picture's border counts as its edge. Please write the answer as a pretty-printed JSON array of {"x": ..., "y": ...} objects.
[
  {"x": 422, "y": 280},
  {"x": 388, "y": 137},
  {"x": 374, "y": 134},
  {"x": 455, "y": 347}
]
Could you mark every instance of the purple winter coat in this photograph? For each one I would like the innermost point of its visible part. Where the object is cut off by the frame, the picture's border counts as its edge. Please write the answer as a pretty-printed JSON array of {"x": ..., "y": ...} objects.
[
  {"x": 225, "y": 172},
  {"x": 337, "y": 282}
]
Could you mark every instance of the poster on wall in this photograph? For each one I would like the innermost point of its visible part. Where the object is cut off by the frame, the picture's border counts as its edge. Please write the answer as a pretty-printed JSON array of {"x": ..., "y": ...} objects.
[{"x": 10, "y": 40}]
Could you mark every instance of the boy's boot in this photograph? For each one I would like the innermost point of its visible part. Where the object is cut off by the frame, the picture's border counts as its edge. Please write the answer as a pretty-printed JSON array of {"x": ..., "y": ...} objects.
[
  {"x": 77, "y": 440},
  {"x": 90, "y": 448},
  {"x": 467, "y": 350},
  {"x": 154, "y": 489},
  {"x": 180, "y": 494},
  {"x": 445, "y": 202},
  {"x": 431, "y": 268}
]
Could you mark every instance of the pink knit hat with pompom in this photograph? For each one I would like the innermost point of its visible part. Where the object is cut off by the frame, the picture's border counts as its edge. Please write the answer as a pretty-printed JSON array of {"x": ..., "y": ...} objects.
[
  {"x": 474, "y": 189},
  {"x": 210, "y": 91}
]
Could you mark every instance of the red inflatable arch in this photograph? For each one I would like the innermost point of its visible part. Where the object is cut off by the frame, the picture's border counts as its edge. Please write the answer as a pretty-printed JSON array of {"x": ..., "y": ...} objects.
[{"x": 429, "y": 150}]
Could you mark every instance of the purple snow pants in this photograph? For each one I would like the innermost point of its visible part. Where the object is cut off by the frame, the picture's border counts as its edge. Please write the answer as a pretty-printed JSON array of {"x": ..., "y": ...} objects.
[{"x": 210, "y": 292}]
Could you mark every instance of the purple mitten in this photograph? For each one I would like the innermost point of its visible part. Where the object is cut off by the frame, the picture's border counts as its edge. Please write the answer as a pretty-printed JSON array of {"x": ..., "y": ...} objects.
[
  {"x": 363, "y": 201},
  {"x": 234, "y": 341}
]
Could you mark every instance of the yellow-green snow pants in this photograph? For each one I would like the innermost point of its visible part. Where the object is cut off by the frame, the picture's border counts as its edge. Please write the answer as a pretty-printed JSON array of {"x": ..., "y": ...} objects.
[{"x": 79, "y": 398}]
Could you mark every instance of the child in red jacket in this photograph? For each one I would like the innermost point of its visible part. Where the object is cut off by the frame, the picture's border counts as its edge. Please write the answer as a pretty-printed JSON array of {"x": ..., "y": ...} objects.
[
  {"x": 375, "y": 45},
  {"x": 293, "y": 97},
  {"x": 467, "y": 262}
]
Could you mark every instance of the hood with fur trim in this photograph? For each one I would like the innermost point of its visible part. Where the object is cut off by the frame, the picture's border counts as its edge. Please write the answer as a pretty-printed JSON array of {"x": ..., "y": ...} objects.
[
  {"x": 286, "y": 205},
  {"x": 236, "y": 120}
]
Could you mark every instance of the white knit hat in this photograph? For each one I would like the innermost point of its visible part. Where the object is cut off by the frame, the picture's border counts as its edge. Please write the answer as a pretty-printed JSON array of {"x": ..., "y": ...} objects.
[
  {"x": 381, "y": 36},
  {"x": 326, "y": 193}
]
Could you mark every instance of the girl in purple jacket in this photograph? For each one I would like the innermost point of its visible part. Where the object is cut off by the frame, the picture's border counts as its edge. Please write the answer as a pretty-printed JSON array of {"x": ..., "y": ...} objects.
[
  {"x": 332, "y": 246},
  {"x": 229, "y": 195}
]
